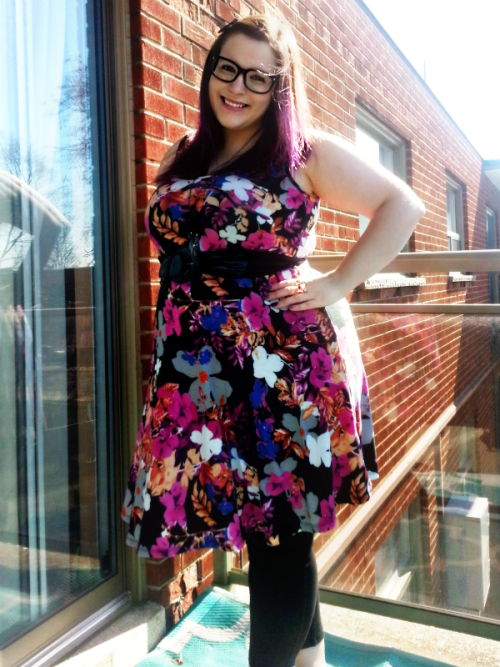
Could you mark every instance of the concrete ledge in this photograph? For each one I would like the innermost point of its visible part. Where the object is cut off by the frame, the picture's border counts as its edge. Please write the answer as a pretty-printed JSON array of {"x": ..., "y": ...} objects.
[{"x": 124, "y": 642}]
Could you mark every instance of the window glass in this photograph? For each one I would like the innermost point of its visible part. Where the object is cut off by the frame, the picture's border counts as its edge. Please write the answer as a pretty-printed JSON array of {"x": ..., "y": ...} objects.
[{"x": 56, "y": 526}]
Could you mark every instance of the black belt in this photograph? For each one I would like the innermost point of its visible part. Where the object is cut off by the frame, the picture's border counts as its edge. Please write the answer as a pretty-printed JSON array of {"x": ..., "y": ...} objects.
[{"x": 187, "y": 261}]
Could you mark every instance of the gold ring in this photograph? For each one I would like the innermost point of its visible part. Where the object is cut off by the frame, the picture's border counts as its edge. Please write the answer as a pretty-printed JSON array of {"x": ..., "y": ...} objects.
[{"x": 301, "y": 287}]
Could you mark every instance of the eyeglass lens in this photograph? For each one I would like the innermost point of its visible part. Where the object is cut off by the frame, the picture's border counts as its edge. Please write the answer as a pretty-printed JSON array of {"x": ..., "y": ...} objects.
[{"x": 256, "y": 81}]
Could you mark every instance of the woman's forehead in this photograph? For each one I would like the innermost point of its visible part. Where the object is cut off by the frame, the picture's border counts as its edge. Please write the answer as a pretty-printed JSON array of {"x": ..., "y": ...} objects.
[{"x": 249, "y": 53}]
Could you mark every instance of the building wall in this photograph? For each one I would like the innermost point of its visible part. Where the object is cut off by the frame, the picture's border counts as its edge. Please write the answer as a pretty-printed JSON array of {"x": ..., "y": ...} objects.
[{"x": 412, "y": 362}]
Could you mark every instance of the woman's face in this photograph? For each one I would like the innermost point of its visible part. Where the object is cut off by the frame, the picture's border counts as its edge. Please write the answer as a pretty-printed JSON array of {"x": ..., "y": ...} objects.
[{"x": 238, "y": 109}]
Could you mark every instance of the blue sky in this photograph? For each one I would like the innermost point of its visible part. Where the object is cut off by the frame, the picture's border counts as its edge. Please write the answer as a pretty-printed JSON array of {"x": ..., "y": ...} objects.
[{"x": 459, "y": 42}]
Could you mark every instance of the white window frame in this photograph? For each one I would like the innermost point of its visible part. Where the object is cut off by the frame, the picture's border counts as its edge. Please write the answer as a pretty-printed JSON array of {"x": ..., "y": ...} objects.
[
  {"x": 457, "y": 210},
  {"x": 391, "y": 141}
]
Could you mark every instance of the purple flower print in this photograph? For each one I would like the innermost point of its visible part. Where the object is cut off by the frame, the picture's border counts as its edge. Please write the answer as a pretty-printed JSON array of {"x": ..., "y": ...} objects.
[
  {"x": 172, "y": 314},
  {"x": 174, "y": 503},
  {"x": 299, "y": 319},
  {"x": 212, "y": 321},
  {"x": 225, "y": 507},
  {"x": 163, "y": 548},
  {"x": 322, "y": 365},
  {"x": 264, "y": 429},
  {"x": 251, "y": 516},
  {"x": 328, "y": 520},
  {"x": 267, "y": 449},
  {"x": 234, "y": 533},
  {"x": 259, "y": 240},
  {"x": 293, "y": 223},
  {"x": 182, "y": 410},
  {"x": 211, "y": 241},
  {"x": 340, "y": 468},
  {"x": 256, "y": 312}
]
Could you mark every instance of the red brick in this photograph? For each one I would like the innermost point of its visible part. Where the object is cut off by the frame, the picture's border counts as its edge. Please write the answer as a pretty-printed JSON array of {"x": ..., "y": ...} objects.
[
  {"x": 143, "y": 26},
  {"x": 161, "y": 59},
  {"x": 223, "y": 11},
  {"x": 177, "y": 43},
  {"x": 175, "y": 131},
  {"x": 151, "y": 125},
  {"x": 151, "y": 101},
  {"x": 161, "y": 12},
  {"x": 192, "y": 75},
  {"x": 181, "y": 91},
  {"x": 192, "y": 117},
  {"x": 196, "y": 34},
  {"x": 151, "y": 149},
  {"x": 158, "y": 573}
]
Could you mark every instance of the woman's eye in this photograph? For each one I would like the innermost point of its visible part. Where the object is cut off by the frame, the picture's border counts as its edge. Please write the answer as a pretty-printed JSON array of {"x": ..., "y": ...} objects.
[
  {"x": 258, "y": 78},
  {"x": 228, "y": 68}
]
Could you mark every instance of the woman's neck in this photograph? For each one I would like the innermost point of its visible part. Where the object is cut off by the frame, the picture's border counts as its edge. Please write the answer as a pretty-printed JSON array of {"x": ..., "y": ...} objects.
[{"x": 235, "y": 144}]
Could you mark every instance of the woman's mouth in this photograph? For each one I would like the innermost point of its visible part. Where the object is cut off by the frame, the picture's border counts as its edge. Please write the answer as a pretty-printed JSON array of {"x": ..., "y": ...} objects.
[{"x": 231, "y": 104}]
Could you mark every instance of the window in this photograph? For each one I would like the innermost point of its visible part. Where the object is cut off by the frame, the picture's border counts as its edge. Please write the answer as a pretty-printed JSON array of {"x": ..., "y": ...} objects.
[
  {"x": 57, "y": 533},
  {"x": 454, "y": 214},
  {"x": 379, "y": 144},
  {"x": 491, "y": 244}
]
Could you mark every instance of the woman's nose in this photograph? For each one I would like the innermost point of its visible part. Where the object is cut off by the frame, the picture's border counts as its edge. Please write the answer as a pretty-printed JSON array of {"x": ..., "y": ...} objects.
[{"x": 238, "y": 85}]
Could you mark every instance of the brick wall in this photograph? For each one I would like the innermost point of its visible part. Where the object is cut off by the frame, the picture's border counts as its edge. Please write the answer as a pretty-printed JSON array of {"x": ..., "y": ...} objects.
[{"x": 415, "y": 365}]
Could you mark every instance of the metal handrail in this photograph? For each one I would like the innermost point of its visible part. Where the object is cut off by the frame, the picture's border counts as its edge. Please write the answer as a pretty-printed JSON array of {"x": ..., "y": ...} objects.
[{"x": 479, "y": 261}]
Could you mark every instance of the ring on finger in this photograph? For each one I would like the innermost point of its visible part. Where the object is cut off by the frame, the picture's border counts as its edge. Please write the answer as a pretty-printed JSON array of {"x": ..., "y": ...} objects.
[{"x": 301, "y": 287}]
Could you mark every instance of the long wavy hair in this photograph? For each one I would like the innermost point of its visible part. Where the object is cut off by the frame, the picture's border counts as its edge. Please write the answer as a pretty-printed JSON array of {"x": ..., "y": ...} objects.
[{"x": 283, "y": 141}]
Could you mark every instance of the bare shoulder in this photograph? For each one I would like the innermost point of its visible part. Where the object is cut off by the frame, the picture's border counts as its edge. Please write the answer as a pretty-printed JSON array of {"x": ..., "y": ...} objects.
[
  {"x": 344, "y": 178},
  {"x": 169, "y": 156}
]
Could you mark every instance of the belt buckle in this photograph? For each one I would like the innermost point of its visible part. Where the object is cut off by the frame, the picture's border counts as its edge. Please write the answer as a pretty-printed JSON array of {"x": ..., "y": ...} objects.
[{"x": 182, "y": 264}]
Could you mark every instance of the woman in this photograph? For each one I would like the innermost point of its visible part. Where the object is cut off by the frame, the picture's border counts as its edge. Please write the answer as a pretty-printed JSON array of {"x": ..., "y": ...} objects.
[{"x": 251, "y": 430}]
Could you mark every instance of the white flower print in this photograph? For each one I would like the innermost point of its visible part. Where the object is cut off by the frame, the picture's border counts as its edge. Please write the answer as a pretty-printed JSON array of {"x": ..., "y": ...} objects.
[
  {"x": 237, "y": 464},
  {"x": 231, "y": 234},
  {"x": 319, "y": 449},
  {"x": 266, "y": 366},
  {"x": 263, "y": 215},
  {"x": 238, "y": 185},
  {"x": 209, "y": 444}
]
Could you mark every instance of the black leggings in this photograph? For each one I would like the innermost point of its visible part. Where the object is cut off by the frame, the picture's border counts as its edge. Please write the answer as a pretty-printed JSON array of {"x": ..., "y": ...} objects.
[{"x": 284, "y": 602}]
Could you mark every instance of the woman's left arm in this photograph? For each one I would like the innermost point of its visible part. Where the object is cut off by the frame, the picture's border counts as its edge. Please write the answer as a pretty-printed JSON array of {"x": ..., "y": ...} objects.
[{"x": 341, "y": 177}]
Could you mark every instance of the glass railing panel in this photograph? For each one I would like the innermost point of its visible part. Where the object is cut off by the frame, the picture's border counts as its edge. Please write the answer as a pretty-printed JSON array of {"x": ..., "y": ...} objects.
[{"x": 432, "y": 534}]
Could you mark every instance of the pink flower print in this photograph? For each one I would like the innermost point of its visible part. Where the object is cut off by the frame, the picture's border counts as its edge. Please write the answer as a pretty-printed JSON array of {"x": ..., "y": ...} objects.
[
  {"x": 259, "y": 240},
  {"x": 182, "y": 410},
  {"x": 322, "y": 365},
  {"x": 234, "y": 533},
  {"x": 211, "y": 241},
  {"x": 341, "y": 468},
  {"x": 294, "y": 198},
  {"x": 299, "y": 319},
  {"x": 172, "y": 315},
  {"x": 296, "y": 498},
  {"x": 251, "y": 516},
  {"x": 279, "y": 484},
  {"x": 165, "y": 442},
  {"x": 163, "y": 548},
  {"x": 328, "y": 520},
  {"x": 185, "y": 287},
  {"x": 174, "y": 505},
  {"x": 255, "y": 310}
]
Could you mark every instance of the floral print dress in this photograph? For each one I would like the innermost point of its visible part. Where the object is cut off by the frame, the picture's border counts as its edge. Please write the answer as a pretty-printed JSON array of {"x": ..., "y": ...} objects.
[{"x": 256, "y": 419}]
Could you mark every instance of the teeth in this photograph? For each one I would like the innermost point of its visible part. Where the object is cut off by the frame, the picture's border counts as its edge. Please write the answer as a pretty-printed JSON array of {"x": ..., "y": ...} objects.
[{"x": 233, "y": 104}]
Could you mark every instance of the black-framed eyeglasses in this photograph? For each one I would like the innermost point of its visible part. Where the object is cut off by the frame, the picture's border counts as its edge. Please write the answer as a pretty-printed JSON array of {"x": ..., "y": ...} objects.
[{"x": 255, "y": 80}]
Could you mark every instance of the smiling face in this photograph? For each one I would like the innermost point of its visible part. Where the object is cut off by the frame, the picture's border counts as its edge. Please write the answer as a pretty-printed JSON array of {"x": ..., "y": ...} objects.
[{"x": 238, "y": 109}]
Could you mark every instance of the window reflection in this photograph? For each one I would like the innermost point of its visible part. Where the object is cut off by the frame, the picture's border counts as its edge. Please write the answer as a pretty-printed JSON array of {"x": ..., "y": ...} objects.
[{"x": 56, "y": 530}]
